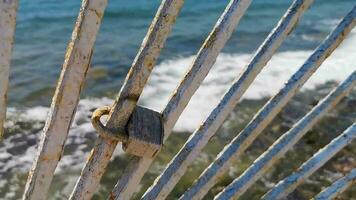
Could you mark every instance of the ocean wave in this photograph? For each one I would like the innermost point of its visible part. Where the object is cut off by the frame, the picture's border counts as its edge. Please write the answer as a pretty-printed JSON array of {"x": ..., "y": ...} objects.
[
  {"x": 166, "y": 76},
  {"x": 24, "y": 127},
  {"x": 25, "y": 124}
]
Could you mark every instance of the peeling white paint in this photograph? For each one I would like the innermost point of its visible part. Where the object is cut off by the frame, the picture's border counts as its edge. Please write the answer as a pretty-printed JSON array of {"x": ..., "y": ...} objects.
[
  {"x": 201, "y": 65},
  {"x": 263, "y": 55},
  {"x": 126, "y": 101},
  {"x": 65, "y": 100},
  {"x": 338, "y": 187},
  {"x": 8, "y": 11},
  {"x": 191, "y": 149},
  {"x": 286, "y": 141},
  {"x": 287, "y": 185}
]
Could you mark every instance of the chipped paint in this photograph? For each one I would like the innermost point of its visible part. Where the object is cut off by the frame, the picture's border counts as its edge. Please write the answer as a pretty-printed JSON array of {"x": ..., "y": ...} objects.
[
  {"x": 65, "y": 100},
  {"x": 75, "y": 67},
  {"x": 260, "y": 59},
  {"x": 337, "y": 187},
  {"x": 126, "y": 101},
  {"x": 274, "y": 106},
  {"x": 200, "y": 68},
  {"x": 286, "y": 141},
  {"x": 287, "y": 185},
  {"x": 177, "y": 167},
  {"x": 8, "y": 11}
]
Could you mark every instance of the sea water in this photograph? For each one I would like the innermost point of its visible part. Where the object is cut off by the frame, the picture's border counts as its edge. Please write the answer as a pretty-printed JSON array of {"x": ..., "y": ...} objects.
[{"x": 44, "y": 29}]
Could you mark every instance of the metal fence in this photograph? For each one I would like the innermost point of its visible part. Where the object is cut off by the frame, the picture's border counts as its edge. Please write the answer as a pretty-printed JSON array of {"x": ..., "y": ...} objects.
[{"x": 127, "y": 122}]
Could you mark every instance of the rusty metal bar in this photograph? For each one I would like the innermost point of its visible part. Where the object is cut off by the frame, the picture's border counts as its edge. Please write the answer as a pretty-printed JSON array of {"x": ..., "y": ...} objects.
[
  {"x": 65, "y": 99},
  {"x": 270, "y": 110},
  {"x": 338, "y": 187},
  {"x": 263, "y": 55},
  {"x": 201, "y": 65},
  {"x": 286, "y": 141},
  {"x": 126, "y": 101},
  {"x": 201, "y": 136},
  {"x": 8, "y": 11},
  {"x": 287, "y": 185}
]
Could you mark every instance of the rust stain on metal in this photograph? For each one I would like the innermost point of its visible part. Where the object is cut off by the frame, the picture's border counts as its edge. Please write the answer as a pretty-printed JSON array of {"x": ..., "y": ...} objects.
[
  {"x": 143, "y": 133},
  {"x": 75, "y": 67},
  {"x": 8, "y": 11},
  {"x": 128, "y": 96}
]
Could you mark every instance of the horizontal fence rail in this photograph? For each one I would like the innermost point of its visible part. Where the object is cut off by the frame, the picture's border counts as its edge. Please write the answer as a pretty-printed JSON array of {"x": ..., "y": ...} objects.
[
  {"x": 201, "y": 65},
  {"x": 8, "y": 11},
  {"x": 287, "y": 185},
  {"x": 338, "y": 187},
  {"x": 65, "y": 99},
  {"x": 286, "y": 141},
  {"x": 201, "y": 136},
  {"x": 126, "y": 101}
]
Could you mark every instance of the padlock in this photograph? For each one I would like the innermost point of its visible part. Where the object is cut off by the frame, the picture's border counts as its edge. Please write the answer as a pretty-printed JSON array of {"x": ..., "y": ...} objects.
[
  {"x": 142, "y": 136},
  {"x": 145, "y": 133}
]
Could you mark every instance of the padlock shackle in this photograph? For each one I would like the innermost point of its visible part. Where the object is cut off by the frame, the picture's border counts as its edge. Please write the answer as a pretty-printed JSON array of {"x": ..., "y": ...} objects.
[{"x": 103, "y": 131}]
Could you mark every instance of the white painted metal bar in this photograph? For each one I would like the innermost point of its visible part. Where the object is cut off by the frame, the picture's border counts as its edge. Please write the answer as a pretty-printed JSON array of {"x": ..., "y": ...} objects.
[
  {"x": 8, "y": 11},
  {"x": 65, "y": 100},
  {"x": 286, "y": 141},
  {"x": 203, "y": 62},
  {"x": 287, "y": 185},
  {"x": 177, "y": 167},
  {"x": 338, "y": 187},
  {"x": 126, "y": 101},
  {"x": 263, "y": 55}
]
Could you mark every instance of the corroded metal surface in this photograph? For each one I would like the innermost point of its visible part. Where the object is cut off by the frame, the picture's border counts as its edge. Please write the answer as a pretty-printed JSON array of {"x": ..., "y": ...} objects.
[
  {"x": 8, "y": 10},
  {"x": 203, "y": 62},
  {"x": 201, "y": 65},
  {"x": 274, "y": 106},
  {"x": 126, "y": 101},
  {"x": 338, "y": 187},
  {"x": 136, "y": 130},
  {"x": 118, "y": 135},
  {"x": 286, "y": 141},
  {"x": 65, "y": 100},
  {"x": 177, "y": 167},
  {"x": 287, "y": 185},
  {"x": 263, "y": 55}
]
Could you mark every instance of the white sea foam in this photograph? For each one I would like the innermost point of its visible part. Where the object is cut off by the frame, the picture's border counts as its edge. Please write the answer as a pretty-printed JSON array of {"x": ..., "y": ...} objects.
[
  {"x": 162, "y": 83},
  {"x": 167, "y": 75}
]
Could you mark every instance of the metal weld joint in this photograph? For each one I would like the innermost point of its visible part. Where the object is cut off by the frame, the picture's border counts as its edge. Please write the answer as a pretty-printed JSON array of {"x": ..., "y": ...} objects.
[{"x": 142, "y": 136}]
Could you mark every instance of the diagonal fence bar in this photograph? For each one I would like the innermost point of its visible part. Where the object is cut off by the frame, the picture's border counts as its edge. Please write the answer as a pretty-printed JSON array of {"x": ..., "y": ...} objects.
[
  {"x": 65, "y": 100},
  {"x": 201, "y": 136},
  {"x": 8, "y": 11},
  {"x": 263, "y": 55},
  {"x": 126, "y": 101},
  {"x": 241, "y": 142},
  {"x": 286, "y": 141},
  {"x": 77, "y": 61},
  {"x": 201, "y": 65},
  {"x": 287, "y": 185},
  {"x": 337, "y": 187}
]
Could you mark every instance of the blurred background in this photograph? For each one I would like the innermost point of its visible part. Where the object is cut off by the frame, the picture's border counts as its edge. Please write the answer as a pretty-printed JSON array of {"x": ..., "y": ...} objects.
[{"x": 44, "y": 29}]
